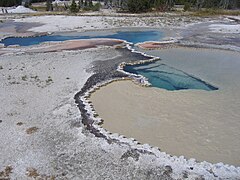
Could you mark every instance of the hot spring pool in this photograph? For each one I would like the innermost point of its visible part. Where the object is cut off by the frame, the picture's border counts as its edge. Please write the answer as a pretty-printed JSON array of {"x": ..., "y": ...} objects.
[
  {"x": 130, "y": 36},
  {"x": 159, "y": 75},
  {"x": 196, "y": 124}
]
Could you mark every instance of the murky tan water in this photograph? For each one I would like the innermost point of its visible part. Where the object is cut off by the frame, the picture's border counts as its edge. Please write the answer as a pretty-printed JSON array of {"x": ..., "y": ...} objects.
[{"x": 197, "y": 124}]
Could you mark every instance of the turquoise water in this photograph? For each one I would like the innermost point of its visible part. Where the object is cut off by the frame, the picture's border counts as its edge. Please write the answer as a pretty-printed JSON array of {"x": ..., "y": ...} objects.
[
  {"x": 166, "y": 77},
  {"x": 130, "y": 36},
  {"x": 159, "y": 75}
]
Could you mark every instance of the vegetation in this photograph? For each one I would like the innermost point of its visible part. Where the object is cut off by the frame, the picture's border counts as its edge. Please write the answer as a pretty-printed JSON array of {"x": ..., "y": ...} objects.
[
  {"x": 134, "y": 6},
  {"x": 32, "y": 130},
  {"x": 86, "y": 5},
  {"x": 8, "y": 3},
  {"x": 27, "y": 4},
  {"x": 5, "y": 174},
  {"x": 49, "y": 5},
  {"x": 36, "y": 1},
  {"x": 221, "y": 4},
  {"x": 137, "y": 6},
  {"x": 89, "y": 6},
  {"x": 80, "y": 4},
  {"x": 74, "y": 7},
  {"x": 187, "y": 6},
  {"x": 215, "y": 12},
  {"x": 96, "y": 7}
]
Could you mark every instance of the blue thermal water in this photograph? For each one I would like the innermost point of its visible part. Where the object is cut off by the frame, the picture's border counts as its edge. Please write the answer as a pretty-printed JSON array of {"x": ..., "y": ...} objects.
[
  {"x": 163, "y": 76},
  {"x": 159, "y": 75},
  {"x": 130, "y": 36}
]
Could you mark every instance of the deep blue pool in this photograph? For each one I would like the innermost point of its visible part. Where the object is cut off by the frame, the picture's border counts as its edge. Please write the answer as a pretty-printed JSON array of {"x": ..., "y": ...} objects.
[
  {"x": 166, "y": 77},
  {"x": 130, "y": 36}
]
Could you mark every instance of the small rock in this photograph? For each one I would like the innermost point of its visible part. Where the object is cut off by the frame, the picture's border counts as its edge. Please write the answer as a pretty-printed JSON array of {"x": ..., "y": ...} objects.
[
  {"x": 131, "y": 153},
  {"x": 20, "y": 123}
]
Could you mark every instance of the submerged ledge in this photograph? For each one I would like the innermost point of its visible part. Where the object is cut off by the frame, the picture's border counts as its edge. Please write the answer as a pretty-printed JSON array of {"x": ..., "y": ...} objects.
[
  {"x": 150, "y": 45},
  {"x": 178, "y": 164}
]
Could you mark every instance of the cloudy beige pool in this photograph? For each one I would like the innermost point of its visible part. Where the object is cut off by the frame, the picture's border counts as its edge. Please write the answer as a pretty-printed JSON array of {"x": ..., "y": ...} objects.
[{"x": 195, "y": 123}]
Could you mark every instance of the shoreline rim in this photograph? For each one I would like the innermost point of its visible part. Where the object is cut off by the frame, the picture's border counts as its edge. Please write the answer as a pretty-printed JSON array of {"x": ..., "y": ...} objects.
[{"x": 93, "y": 123}]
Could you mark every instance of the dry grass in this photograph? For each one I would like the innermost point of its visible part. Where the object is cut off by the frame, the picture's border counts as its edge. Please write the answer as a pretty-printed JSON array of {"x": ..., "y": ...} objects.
[
  {"x": 6, "y": 172},
  {"x": 39, "y": 8},
  {"x": 31, "y": 172},
  {"x": 32, "y": 130},
  {"x": 215, "y": 12}
]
